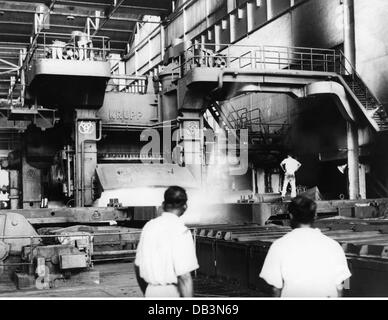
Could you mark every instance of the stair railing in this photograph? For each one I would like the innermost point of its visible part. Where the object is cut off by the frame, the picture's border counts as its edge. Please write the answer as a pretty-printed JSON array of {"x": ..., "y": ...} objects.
[{"x": 350, "y": 70}]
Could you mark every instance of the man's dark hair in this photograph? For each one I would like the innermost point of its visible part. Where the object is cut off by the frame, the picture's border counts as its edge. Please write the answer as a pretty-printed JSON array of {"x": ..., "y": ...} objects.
[
  {"x": 303, "y": 210},
  {"x": 174, "y": 198}
]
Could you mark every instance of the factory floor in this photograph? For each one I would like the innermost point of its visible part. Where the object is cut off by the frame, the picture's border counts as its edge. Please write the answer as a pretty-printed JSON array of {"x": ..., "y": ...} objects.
[{"x": 118, "y": 280}]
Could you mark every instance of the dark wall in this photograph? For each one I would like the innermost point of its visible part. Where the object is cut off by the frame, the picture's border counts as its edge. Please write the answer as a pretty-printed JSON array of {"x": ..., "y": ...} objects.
[
  {"x": 317, "y": 127},
  {"x": 318, "y": 24}
]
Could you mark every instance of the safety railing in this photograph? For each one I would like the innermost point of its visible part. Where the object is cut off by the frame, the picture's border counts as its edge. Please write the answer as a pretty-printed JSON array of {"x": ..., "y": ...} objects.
[
  {"x": 120, "y": 84},
  {"x": 363, "y": 93},
  {"x": 234, "y": 117},
  {"x": 210, "y": 55},
  {"x": 268, "y": 130},
  {"x": 252, "y": 119},
  {"x": 76, "y": 46},
  {"x": 356, "y": 83},
  {"x": 258, "y": 57},
  {"x": 243, "y": 117}
]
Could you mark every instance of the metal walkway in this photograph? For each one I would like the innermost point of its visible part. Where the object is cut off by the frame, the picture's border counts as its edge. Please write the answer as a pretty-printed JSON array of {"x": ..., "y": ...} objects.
[{"x": 259, "y": 63}]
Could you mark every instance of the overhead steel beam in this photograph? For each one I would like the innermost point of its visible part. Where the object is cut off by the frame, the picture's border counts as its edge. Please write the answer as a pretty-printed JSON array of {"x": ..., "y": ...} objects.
[
  {"x": 60, "y": 10},
  {"x": 22, "y": 23},
  {"x": 9, "y": 55},
  {"x": 99, "y": 4},
  {"x": 108, "y": 14},
  {"x": 6, "y": 34},
  {"x": 13, "y": 35},
  {"x": 64, "y": 27},
  {"x": 90, "y": 4},
  {"x": 118, "y": 41},
  {"x": 81, "y": 27},
  {"x": 11, "y": 45}
]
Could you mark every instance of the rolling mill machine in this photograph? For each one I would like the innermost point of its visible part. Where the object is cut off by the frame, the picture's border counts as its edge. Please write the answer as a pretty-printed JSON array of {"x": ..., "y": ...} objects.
[
  {"x": 79, "y": 166},
  {"x": 98, "y": 149}
]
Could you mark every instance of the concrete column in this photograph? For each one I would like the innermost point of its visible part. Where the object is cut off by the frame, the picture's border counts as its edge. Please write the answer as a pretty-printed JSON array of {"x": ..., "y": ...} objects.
[
  {"x": 207, "y": 9},
  {"x": 232, "y": 27},
  {"x": 349, "y": 32},
  {"x": 162, "y": 42},
  {"x": 363, "y": 139},
  {"x": 231, "y": 5},
  {"x": 362, "y": 180},
  {"x": 269, "y": 9},
  {"x": 184, "y": 20},
  {"x": 254, "y": 187},
  {"x": 250, "y": 16},
  {"x": 353, "y": 169},
  {"x": 217, "y": 35}
]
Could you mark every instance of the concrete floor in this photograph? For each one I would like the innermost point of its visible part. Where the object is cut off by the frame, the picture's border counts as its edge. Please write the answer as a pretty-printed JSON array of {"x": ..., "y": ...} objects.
[
  {"x": 116, "y": 280},
  {"x": 119, "y": 280}
]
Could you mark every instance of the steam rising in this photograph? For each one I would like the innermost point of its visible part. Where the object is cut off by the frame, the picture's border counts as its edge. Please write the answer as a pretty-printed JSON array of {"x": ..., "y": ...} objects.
[{"x": 209, "y": 204}]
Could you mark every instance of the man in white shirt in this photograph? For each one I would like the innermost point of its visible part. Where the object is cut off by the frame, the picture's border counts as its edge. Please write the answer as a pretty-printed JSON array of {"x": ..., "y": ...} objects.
[
  {"x": 305, "y": 263},
  {"x": 165, "y": 254},
  {"x": 289, "y": 166}
]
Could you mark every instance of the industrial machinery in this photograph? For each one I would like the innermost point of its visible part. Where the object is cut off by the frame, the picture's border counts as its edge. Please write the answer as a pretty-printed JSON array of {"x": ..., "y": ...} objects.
[
  {"x": 70, "y": 159},
  {"x": 236, "y": 252},
  {"x": 52, "y": 257},
  {"x": 80, "y": 169},
  {"x": 94, "y": 136},
  {"x": 101, "y": 146},
  {"x": 98, "y": 147}
]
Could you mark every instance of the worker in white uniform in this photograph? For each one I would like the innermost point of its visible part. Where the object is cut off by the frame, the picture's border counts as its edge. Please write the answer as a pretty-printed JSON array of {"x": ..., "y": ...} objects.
[
  {"x": 166, "y": 254},
  {"x": 305, "y": 263},
  {"x": 289, "y": 166}
]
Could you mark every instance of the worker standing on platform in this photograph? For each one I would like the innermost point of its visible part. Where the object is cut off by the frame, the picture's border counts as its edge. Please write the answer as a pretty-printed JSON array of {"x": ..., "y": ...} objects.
[
  {"x": 289, "y": 166},
  {"x": 166, "y": 254},
  {"x": 305, "y": 263}
]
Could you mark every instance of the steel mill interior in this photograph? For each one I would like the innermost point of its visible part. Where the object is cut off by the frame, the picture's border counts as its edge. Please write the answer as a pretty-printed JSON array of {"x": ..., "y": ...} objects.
[{"x": 106, "y": 103}]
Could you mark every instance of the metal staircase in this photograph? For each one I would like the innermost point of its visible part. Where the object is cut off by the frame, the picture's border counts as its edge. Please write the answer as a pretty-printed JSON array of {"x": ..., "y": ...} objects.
[
  {"x": 372, "y": 105},
  {"x": 374, "y": 108}
]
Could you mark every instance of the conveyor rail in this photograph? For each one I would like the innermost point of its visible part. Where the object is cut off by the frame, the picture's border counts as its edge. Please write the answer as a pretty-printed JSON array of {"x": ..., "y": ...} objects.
[{"x": 236, "y": 253}]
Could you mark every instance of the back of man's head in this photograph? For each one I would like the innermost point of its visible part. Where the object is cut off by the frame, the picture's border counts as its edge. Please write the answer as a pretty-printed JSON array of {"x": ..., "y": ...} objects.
[
  {"x": 302, "y": 210},
  {"x": 175, "y": 198}
]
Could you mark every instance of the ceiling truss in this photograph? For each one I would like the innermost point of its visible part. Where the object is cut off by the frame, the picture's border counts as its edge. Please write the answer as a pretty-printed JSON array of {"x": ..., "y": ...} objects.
[{"x": 117, "y": 20}]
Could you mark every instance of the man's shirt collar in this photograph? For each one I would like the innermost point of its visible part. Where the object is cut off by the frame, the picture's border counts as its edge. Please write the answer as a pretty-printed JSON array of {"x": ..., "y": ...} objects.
[{"x": 169, "y": 215}]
